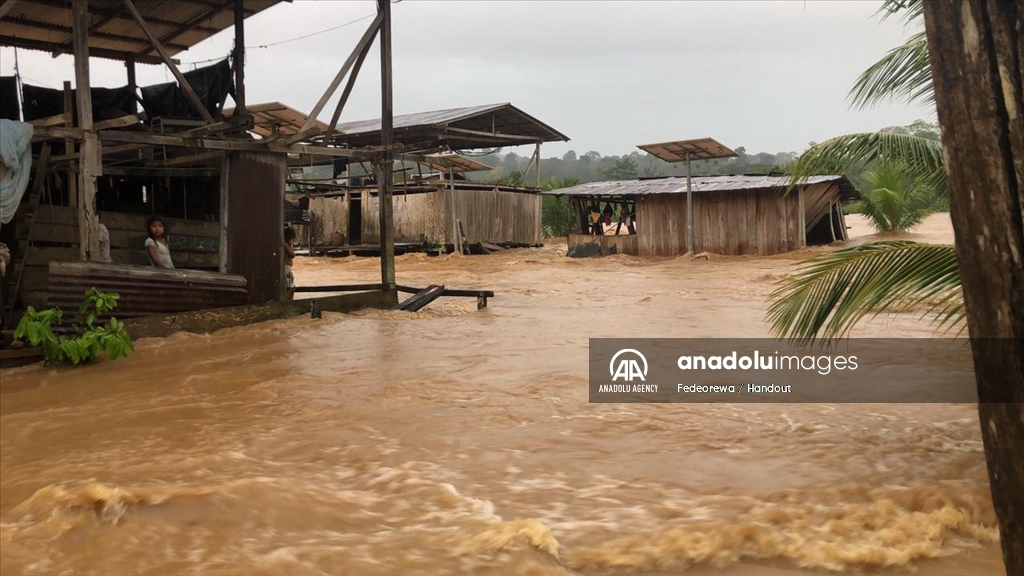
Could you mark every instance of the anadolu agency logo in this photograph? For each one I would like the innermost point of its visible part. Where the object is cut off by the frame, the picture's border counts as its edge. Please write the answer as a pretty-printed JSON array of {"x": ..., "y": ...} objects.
[{"x": 628, "y": 367}]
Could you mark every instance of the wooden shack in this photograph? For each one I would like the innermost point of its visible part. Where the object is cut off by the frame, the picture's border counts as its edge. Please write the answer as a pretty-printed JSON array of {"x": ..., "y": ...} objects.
[
  {"x": 97, "y": 159},
  {"x": 442, "y": 208},
  {"x": 733, "y": 215}
]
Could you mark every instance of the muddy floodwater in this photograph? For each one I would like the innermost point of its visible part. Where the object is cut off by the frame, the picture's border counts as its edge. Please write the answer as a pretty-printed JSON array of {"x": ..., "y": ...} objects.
[{"x": 458, "y": 441}]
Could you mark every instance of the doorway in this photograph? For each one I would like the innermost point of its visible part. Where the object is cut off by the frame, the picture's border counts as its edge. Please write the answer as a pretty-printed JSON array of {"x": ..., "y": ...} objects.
[{"x": 355, "y": 221}]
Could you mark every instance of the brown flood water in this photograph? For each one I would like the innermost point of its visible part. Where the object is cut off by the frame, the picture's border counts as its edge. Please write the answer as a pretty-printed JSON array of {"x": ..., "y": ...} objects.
[{"x": 457, "y": 441}]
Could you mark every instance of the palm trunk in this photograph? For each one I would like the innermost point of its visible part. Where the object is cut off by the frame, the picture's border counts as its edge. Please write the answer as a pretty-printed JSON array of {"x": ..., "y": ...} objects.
[{"x": 976, "y": 53}]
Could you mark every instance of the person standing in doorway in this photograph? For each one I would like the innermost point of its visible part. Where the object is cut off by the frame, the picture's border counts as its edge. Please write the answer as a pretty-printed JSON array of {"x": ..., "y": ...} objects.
[{"x": 156, "y": 244}]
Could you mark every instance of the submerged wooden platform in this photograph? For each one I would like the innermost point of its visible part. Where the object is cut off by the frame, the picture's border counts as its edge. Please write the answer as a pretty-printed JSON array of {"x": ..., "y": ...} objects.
[{"x": 480, "y": 295}]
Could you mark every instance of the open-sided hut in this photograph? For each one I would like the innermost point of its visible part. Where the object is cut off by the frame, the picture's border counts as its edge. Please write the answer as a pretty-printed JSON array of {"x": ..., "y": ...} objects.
[
  {"x": 97, "y": 160},
  {"x": 735, "y": 215},
  {"x": 440, "y": 208}
]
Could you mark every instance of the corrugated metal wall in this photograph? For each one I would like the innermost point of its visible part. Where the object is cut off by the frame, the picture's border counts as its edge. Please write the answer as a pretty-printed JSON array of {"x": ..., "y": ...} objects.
[
  {"x": 734, "y": 223},
  {"x": 498, "y": 216},
  {"x": 256, "y": 221}
]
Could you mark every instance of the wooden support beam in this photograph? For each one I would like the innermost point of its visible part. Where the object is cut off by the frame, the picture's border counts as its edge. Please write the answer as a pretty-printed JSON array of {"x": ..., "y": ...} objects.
[
  {"x": 58, "y": 120},
  {"x": 185, "y": 160},
  {"x": 345, "y": 94},
  {"x": 58, "y": 49},
  {"x": 239, "y": 60},
  {"x": 69, "y": 144},
  {"x": 387, "y": 228},
  {"x": 363, "y": 43},
  {"x": 524, "y": 139},
  {"x": 90, "y": 167},
  {"x": 126, "y": 120},
  {"x": 59, "y": 29},
  {"x": 182, "y": 81},
  {"x": 56, "y": 132},
  {"x": 225, "y": 171}
]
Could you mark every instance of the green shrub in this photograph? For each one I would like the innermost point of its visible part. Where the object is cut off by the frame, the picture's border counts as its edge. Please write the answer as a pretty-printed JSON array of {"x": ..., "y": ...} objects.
[{"x": 87, "y": 341}]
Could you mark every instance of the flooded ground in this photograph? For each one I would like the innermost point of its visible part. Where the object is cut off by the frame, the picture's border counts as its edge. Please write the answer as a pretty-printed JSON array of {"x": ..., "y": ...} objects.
[{"x": 457, "y": 441}]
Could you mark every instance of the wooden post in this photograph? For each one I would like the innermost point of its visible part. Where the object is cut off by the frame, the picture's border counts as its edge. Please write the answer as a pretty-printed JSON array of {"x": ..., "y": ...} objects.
[
  {"x": 455, "y": 219},
  {"x": 345, "y": 94},
  {"x": 387, "y": 230},
  {"x": 129, "y": 67},
  {"x": 69, "y": 144},
  {"x": 801, "y": 241},
  {"x": 89, "y": 163},
  {"x": 239, "y": 58},
  {"x": 536, "y": 155},
  {"x": 689, "y": 207},
  {"x": 365, "y": 41},
  {"x": 223, "y": 246},
  {"x": 193, "y": 98}
]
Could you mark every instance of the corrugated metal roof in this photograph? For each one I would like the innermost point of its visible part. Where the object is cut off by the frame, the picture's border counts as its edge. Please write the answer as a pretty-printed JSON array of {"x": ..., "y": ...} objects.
[
  {"x": 433, "y": 118},
  {"x": 471, "y": 127},
  {"x": 113, "y": 32},
  {"x": 701, "y": 184}
]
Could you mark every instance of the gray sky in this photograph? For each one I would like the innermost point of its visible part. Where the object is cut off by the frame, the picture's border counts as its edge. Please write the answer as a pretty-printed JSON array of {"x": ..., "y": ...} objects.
[{"x": 768, "y": 75}]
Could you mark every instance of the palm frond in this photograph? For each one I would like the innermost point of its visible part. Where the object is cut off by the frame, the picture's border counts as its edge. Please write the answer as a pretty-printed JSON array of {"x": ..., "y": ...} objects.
[
  {"x": 840, "y": 155},
  {"x": 910, "y": 10},
  {"x": 904, "y": 73},
  {"x": 892, "y": 200},
  {"x": 831, "y": 293}
]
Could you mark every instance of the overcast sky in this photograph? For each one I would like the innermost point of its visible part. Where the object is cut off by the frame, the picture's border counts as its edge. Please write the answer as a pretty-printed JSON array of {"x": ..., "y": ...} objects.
[{"x": 768, "y": 75}]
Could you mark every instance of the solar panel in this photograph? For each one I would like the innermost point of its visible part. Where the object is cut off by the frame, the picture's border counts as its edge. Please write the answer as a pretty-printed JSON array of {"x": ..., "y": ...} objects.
[
  {"x": 699, "y": 149},
  {"x": 455, "y": 163}
]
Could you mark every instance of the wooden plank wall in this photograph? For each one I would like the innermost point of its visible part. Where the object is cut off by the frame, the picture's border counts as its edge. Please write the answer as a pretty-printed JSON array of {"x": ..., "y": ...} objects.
[
  {"x": 327, "y": 216},
  {"x": 816, "y": 202},
  {"x": 733, "y": 223},
  {"x": 55, "y": 238},
  {"x": 417, "y": 218},
  {"x": 499, "y": 216}
]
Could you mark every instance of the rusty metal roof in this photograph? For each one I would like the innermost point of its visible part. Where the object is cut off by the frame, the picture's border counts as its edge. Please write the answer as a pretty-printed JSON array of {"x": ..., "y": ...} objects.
[
  {"x": 272, "y": 117},
  {"x": 113, "y": 32},
  {"x": 473, "y": 127},
  {"x": 701, "y": 184}
]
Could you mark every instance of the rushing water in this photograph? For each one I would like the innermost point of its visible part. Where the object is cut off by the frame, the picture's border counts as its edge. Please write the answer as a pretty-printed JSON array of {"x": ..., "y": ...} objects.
[{"x": 457, "y": 441}]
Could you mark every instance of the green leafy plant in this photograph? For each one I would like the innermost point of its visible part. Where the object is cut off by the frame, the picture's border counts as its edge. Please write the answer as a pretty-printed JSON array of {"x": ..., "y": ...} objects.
[
  {"x": 86, "y": 341},
  {"x": 893, "y": 201}
]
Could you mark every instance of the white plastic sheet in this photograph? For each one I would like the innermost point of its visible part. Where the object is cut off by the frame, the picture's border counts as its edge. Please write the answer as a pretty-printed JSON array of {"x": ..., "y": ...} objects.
[{"x": 16, "y": 156}]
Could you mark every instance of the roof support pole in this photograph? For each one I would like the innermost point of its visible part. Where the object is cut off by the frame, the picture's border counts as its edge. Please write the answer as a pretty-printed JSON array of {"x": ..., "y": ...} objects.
[
  {"x": 536, "y": 154},
  {"x": 346, "y": 93},
  {"x": 689, "y": 207},
  {"x": 89, "y": 167},
  {"x": 365, "y": 41},
  {"x": 387, "y": 230},
  {"x": 239, "y": 59},
  {"x": 185, "y": 86},
  {"x": 129, "y": 70}
]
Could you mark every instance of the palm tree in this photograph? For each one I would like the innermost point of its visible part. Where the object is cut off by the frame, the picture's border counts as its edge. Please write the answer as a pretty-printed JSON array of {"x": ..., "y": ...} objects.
[
  {"x": 555, "y": 211},
  {"x": 829, "y": 294},
  {"x": 893, "y": 201}
]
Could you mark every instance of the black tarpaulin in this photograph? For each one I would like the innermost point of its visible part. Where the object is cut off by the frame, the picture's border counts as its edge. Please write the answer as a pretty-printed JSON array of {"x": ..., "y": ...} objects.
[
  {"x": 9, "y": 97},
  {"x": 107, "y": 103},
  {"x": 210, "y": 84}
]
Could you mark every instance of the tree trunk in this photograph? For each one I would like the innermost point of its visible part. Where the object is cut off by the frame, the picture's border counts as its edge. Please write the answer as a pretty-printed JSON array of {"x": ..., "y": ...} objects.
[{"x": 977, "y": 54}]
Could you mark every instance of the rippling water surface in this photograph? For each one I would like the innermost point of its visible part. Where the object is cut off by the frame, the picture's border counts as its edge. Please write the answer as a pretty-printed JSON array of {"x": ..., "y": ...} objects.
[{"x": 457, "y": 441}]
